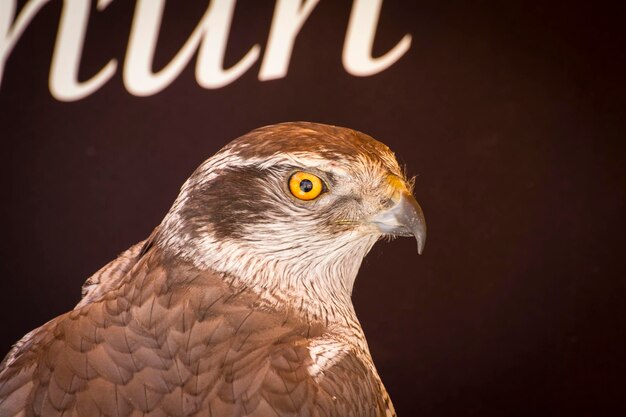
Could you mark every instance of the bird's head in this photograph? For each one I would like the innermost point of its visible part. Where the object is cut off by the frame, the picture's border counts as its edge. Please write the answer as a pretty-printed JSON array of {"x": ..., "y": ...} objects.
[{"x": 292, "y": 202}]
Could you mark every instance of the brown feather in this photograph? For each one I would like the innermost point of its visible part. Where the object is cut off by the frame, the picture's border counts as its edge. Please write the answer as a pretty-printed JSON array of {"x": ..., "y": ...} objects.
[{"x": 225, "y": 358}]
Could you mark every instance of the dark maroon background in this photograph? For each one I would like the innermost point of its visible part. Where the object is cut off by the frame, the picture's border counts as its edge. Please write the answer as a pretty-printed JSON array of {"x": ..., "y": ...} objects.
[{"x": 512, "y": 116}]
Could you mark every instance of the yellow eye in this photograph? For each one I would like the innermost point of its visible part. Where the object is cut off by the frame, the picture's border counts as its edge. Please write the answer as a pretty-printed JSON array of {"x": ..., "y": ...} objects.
[{"x": 305, "y": 186}]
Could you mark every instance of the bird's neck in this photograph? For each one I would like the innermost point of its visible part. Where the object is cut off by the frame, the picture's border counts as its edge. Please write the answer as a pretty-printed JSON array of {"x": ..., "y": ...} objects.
[
  {"x": 317, "y": 288},
  {"x": 314, "y": 281},
  {"x": 315, "y": 298}
]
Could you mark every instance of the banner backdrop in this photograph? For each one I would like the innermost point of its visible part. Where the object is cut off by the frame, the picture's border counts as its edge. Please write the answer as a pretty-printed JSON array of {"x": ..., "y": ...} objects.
[{"x": 509, "y": 114}]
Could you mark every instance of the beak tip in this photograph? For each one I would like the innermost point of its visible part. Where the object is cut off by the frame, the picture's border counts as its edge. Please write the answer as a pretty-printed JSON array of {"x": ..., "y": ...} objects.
[{"x": 420, "y": 246}]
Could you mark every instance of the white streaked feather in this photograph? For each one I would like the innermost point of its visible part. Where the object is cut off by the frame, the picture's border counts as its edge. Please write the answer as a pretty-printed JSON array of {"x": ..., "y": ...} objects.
[{"x": 325, "y": 353}]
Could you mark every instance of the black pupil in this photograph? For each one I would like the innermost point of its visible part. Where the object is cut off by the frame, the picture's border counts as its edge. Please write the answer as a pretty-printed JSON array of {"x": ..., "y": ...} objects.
[{"x": 306, "y": 186}]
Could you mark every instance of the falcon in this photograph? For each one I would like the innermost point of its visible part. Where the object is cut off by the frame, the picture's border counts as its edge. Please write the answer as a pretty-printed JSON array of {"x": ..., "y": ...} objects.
[{"x": 239, "y": 302}]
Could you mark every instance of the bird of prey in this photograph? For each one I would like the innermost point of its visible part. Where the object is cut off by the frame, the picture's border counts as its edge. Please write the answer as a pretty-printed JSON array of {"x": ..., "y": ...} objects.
[{"x": 239, "y": 302}]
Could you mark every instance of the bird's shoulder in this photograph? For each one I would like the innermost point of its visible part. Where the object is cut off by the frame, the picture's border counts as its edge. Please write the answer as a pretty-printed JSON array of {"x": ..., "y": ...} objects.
[{"x": 110, "y": 276}]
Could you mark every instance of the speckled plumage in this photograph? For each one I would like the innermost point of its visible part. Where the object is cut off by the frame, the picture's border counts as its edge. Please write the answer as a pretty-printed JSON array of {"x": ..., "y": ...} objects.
[{"x": 235, "y": 305}]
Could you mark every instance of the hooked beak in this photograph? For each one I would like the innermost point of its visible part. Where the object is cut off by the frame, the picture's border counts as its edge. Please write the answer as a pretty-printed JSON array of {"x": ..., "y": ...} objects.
[{"x": 405, "y": 218}]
